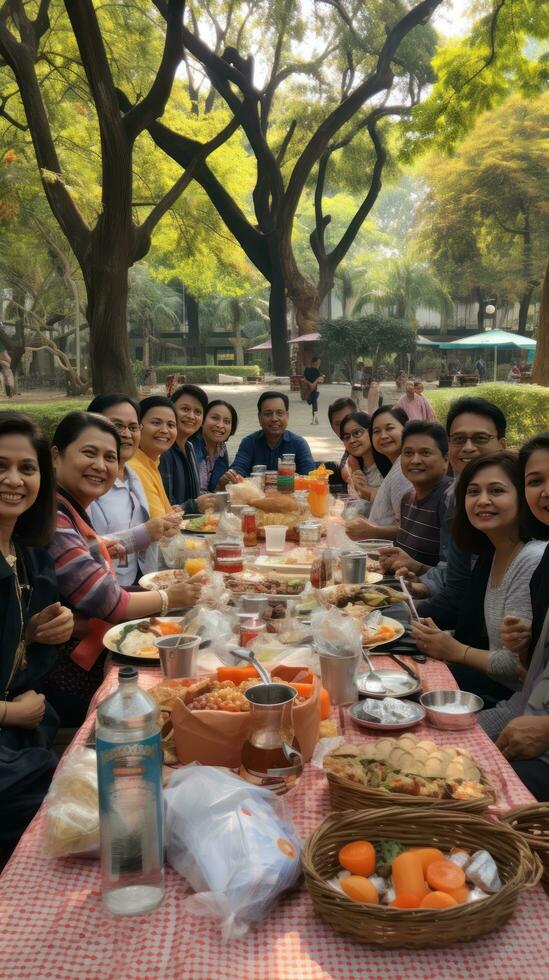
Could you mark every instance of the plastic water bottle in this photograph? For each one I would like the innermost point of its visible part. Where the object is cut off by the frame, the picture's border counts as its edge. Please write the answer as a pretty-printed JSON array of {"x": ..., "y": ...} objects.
[{"x": 129, "y": 765}]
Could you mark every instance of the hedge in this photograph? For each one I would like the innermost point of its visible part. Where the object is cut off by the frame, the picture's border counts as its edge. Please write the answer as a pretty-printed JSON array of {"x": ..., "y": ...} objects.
[
  {"x": 48, "y": 414},
  {"x": 526, "y": 407},
  {"x": 205, "y": 373}
]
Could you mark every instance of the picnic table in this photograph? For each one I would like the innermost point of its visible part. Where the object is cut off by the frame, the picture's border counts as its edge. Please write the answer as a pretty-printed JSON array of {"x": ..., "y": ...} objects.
[{"x": 53, "y": 924}]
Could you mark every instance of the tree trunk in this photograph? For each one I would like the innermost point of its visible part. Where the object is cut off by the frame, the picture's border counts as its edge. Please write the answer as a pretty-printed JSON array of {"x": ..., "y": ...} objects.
[
  {"x": 524, "y": 306},
  {"x": 540, "y": 374},
  {"x": 193, "y": 336},
  {"x": 237, "y": 336},
  {"x": 279, "y": 325},
  {"x": 107, "y": 292}
]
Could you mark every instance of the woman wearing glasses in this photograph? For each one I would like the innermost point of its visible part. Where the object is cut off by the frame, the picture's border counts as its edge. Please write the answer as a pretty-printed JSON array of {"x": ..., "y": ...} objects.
[
  {"x": 178, "y": 465},
  {"x": 122, "y": 514},
  {"x": 32, "y": 623},
  {"x": 364, "y": 476}
]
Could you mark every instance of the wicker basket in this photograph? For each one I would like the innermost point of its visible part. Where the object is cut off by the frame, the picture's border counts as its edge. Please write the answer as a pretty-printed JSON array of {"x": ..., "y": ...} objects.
[
  {"x": 533, "y": 823},
  {"x": 417, "y": 928},
  {"x": 347, "y": 795}
]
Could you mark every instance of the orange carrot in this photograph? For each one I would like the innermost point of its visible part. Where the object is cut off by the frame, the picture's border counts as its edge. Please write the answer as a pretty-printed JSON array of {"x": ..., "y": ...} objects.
[
  {"x": 236, "y": 674},
  {"x": 445, "y": 876},
  {"x": 305, "y": 691},
  {"x": 437, "y": 900},
  {"x": 405, "y": 901},
  {"x": 408, "y": 876},
  {"x": 427, "y": 855}
]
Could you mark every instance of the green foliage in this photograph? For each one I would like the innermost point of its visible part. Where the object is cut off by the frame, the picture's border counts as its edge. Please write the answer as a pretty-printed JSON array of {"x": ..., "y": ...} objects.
[
  {"x": 485, "y": 220},
  {"x": 206, "y": 373},
  {"x": 48, "y": 414},
  {"x": 500, "y": 55},
  {"x": 344, "y": 341},
  {"x": 526, "y": 407}
]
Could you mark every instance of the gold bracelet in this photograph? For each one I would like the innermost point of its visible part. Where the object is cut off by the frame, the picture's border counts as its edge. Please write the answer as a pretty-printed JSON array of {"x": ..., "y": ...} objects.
[
  {"x": 164, "y": 602},
  {"x": 465, "y": 652}
]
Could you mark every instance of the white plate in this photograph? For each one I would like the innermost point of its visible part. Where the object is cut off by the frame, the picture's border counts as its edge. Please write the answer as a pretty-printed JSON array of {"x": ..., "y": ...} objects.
[
  {"x": 184, "y": 526},
  {"x": 372, "y": 578},
  {"x": 270, "y": 563},
  {"x": 147, "y": 581},
  {"x": 398, "y": 684},
  {"x": 111, "y": 636},
  {"x": 386, "y": 621},
  {"x": 417, "y": 715}
]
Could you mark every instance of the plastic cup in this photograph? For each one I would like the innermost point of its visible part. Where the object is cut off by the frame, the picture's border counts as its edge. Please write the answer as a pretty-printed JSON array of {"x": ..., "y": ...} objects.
[{"x": 275, "y": 539}]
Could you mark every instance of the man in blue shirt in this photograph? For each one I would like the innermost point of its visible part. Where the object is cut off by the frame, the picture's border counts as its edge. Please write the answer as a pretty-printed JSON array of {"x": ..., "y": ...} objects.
[{"x": 272, "y": 440}]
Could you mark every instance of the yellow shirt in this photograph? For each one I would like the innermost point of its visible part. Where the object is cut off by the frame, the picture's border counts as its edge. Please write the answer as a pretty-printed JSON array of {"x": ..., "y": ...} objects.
[{"x": 148, "y": 473}]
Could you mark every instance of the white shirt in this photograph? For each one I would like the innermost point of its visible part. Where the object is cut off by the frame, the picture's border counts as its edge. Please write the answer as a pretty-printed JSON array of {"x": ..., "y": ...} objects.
[
  {"x": 121, "y": 513},
  {"x": 386, "y": 507}
]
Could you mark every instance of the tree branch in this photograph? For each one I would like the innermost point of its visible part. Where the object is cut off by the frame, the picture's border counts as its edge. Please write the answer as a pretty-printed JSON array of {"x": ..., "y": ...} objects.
[{"x": 154, "y": 103}]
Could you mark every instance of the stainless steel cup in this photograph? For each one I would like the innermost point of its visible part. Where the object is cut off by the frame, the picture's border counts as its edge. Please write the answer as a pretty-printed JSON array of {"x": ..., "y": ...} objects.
[
  {"x": 338, "y": 675},
  {"x": 221, "y": 500},
  {"x": 177, "y": 654},
  {"x": 254, "y": 604},
  {"x": 353, "y": 568}
]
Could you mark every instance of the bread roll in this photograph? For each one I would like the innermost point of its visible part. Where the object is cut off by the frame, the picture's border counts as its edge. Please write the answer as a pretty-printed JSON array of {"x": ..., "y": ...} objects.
[{"x": 280, "y": 503}]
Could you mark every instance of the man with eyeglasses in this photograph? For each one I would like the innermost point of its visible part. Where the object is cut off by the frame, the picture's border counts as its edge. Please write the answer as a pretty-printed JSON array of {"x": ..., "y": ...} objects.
[
  {"x": 475, "y": 427},
  {"x": 273, "y": 439}
]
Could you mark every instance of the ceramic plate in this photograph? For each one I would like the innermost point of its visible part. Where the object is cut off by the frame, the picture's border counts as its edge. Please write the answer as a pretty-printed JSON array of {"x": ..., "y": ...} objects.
[
  {"x": 398, "y": 684},
  {"x": 417, "y": 714},
  {"x": 112, "y": 636},
  {"x": 372, "y": 645},
  {"x": 187, "y": 527},
  {"x": 150, "y": 581}
]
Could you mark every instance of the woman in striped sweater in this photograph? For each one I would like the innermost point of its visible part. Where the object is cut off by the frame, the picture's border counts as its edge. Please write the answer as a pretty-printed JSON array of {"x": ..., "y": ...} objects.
[{"x": 86, "y": 451}]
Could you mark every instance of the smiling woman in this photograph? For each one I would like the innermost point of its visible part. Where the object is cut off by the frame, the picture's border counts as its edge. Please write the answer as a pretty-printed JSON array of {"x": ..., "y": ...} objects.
[{"x": 158, "y": 424}]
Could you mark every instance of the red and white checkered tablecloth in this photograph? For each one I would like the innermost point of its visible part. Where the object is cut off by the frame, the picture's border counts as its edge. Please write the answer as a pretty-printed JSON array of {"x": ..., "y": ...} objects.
[{"x": 53, "y": 925}]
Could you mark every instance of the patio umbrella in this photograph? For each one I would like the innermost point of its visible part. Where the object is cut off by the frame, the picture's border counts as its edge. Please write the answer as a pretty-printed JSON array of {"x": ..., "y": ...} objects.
[
  {"x": 305, "y": 338},
  {"x": 425, "y": 342},
  {"x": 495, "y": 339},
  {"x": 266, "y": 345}
]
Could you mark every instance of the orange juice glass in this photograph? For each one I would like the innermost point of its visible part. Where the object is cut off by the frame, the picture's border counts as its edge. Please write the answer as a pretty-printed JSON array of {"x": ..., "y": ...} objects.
[
  {"x": 195, "y": 565},
  {"x": 319, "y": 497}
]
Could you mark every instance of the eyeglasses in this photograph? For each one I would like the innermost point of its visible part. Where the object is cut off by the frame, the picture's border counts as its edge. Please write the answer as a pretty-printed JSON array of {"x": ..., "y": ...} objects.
[
  {"x": 477, "y": 438},
  {"x": 355, "y": 434},
  {"x": 120, "y": 427}
]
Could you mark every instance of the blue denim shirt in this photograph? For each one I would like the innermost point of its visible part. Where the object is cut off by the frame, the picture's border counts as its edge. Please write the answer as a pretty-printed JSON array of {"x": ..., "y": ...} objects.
[{"x": 254, "y": 451}]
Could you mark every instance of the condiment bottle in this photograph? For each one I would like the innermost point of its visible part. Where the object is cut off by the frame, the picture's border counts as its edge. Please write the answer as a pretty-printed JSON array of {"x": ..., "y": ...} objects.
[{"x": 249, "y": 527}]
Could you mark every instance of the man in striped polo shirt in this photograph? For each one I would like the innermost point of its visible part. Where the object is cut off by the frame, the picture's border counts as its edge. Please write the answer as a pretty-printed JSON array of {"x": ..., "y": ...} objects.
[{"x": 424, "y": 461}]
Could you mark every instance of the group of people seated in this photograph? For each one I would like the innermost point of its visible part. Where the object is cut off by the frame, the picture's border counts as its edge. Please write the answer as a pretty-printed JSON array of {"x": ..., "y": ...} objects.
[{"x": 80, "y": 520}]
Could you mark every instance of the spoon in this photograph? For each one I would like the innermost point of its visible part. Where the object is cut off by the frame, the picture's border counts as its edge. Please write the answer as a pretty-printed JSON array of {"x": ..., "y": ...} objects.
[{"x": 373, "y": 680}]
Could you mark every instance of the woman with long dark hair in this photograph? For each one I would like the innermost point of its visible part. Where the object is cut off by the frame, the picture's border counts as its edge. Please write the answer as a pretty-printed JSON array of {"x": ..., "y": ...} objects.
[
  {"x": 488, "y": 522},
  {"x": 364, "y": 476},
  {"x": 385, "y": 430},
  {"x": 520, "y": 725},
  {"x": 32, "y": 622},
  {"x": 86, "y": 451},
  {"x": 210, "y": 446}
]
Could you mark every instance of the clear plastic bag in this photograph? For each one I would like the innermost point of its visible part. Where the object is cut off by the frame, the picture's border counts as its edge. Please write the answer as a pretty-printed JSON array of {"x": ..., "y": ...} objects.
[
  {"x": 72, "y": 807},
  {"x": 233, "y": 843},
  {"x": 335, "y": 633}
]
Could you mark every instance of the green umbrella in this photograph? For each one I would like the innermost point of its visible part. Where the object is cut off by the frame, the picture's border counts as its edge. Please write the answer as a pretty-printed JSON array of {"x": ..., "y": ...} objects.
[{"x": 495, "y": 339}]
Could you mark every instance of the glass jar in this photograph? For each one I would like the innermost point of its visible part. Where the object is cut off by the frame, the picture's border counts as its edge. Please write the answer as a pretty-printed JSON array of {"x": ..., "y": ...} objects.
[
  {"x": 249, "y": 527},
  {"x": 286, "y": 474},
  {"x": 271, "y": 478},
  {"x": 319, "y": 496},
  {"x": 309, "y": 533},
  {"x": 258, "y": 474}
]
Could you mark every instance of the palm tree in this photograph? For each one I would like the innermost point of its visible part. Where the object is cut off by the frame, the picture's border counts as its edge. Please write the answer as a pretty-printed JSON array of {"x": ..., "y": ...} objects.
[
  {"x": 402, "y": 286},
  {"x": 232, "y": 310}
]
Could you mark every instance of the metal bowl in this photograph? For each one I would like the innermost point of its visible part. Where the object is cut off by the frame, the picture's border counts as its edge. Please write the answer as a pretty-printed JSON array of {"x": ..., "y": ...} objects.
[{"x": 439, "y": 704}]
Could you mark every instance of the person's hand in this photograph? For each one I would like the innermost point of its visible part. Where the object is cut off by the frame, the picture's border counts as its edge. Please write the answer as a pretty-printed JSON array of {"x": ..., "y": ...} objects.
[
  {"x": 358, "y": 528},
  {"x": 392, "y": 559},
  {"x": 229, "y": 476},
  {"x": 526, "y": 737},
  {"x": 516, "y": 634},
  {"x": 361, "y": 484},
  {"x": 116, "y": 549},
  {"x": 184, "y": 594},
  {"x": 206, "y": 501},
  {"x": 27, "y": 710},
  {"x": 435, "y": 642},
  {"x": 53, "y": 625},
  {"x": 155, "y": 527}
]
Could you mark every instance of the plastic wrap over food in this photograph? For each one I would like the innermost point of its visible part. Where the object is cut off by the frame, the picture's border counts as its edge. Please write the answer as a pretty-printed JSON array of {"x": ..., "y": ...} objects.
[
  {"x": 335, "y": 633},
  {"x": 389, "y": 711},
  {"x": 72, "y": 807},
  {"x": 233, "y": 842}
]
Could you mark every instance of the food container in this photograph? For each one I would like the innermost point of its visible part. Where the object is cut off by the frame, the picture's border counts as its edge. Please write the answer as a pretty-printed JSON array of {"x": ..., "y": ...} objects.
[
  {"x": 270, "y": 486},
  {"x": 258, "y": 474},
  {"x": 229, "y": 565},
  {"x": 227, "y": 549},
  {"x": 253, "y": 604},
  {"x": 309, "y": 533},
  {"x": 249, "y": 629},
  {"x": 451, "y": 710},
  {"x": 286, "y": 474},
  {"x": 249, "y": 527},
  {"x": 391, "y": 928}
]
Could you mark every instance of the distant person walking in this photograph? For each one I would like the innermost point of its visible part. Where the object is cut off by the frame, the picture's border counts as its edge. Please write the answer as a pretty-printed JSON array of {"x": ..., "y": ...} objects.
[
  {"x": 313, "y": 378},
  {"x": 417, "y": 408},
  {"x": 480, "y": 368}
]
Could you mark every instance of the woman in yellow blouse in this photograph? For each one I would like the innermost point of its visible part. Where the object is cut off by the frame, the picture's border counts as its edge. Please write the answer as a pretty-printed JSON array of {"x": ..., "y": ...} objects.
[{"x": 158, "y": 425}]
